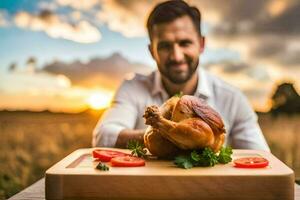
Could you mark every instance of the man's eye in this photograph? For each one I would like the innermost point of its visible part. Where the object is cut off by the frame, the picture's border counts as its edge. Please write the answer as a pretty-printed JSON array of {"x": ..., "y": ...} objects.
[
  {"x": 164, "y": 46},
  {"x": 185, "y": 43}
]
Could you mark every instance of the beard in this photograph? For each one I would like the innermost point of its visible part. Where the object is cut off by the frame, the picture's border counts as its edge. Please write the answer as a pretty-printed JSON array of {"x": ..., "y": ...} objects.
[{"x": 179, "y": 76}]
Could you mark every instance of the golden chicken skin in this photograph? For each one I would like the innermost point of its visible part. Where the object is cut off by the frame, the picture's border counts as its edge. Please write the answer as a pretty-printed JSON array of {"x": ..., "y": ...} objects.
[{"x": 182, "y": 123}]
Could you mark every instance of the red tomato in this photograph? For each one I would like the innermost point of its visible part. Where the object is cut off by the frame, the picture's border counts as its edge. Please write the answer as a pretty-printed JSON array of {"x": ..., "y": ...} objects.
[
  {"x": 127, "y": 161},
  {"x": 107, "y": 155},
  {"x": 251, "y": 162}
]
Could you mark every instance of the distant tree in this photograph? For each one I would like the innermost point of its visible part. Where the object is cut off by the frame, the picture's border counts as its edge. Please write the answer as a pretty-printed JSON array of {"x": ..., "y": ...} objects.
[
  {"x": 12, "y": 67},
  {"x": 31, "y": 64},
  {"x": 285, "y": 99}
]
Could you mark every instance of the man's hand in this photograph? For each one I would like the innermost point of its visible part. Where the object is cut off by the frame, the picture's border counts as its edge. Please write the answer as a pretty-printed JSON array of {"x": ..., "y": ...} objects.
[{"x": 130, "y": 134}]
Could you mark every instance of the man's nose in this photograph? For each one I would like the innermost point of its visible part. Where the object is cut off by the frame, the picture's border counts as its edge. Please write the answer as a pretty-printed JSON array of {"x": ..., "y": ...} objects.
[{"x": 177, "y": 54}]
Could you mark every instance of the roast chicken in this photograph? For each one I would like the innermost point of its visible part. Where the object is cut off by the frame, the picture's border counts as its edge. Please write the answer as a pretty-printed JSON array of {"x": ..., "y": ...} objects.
[{"x": 182, "y": 123}]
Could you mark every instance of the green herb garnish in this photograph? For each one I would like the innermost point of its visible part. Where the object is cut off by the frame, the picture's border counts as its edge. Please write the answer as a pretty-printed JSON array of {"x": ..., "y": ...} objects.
[
  {"x": 183, "y": 162},
  {"x": 205, "y": 158},
  {"x": 137, "y": 149},
  {"x": 179, "y": 94},
  {"x": 208, "y": 158},
  {"x": 102, "y": 167},
  {"x": 225, "y": 155}
]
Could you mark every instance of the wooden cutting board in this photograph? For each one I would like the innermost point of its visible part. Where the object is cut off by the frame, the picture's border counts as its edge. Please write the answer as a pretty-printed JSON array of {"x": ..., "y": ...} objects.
[{"x": 75, "y": 177}]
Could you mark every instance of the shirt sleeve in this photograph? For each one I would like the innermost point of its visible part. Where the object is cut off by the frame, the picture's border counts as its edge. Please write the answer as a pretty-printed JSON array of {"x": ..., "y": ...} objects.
[
  {"x": 121, "y": 115},
  {"x": 245, "y": 132}
]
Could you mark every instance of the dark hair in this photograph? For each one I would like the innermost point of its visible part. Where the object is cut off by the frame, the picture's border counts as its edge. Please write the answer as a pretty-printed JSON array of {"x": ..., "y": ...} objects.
[{"x": 169, "y": 11}]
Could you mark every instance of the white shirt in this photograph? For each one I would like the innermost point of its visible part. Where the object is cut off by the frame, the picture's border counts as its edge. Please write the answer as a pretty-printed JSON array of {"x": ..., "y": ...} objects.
[{"x": 133, "y": 96}]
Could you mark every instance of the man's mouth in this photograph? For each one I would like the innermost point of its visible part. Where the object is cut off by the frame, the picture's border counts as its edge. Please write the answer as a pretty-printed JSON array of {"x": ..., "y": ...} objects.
[{"x": 178, "y": 66}]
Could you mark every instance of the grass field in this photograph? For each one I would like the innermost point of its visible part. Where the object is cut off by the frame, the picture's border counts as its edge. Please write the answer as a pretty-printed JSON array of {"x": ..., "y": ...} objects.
[
  {"x": 283, "y": 136},
  {"x": 32, "y": 142}
]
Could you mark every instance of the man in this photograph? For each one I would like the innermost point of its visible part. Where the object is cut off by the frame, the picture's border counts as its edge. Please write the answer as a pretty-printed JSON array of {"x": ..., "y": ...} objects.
[{"x": 175, "y": 44}]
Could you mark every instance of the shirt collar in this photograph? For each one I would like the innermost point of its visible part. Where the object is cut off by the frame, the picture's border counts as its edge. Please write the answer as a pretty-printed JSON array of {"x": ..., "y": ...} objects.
[
  {"x": 203, "y": 87},
  {"x": 202, "y": 90},
  {"x": 158, "y": 86}
]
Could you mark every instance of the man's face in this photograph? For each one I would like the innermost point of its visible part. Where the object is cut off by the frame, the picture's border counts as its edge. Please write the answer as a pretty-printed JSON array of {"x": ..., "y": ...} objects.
[{"x": 176, "y": 47}]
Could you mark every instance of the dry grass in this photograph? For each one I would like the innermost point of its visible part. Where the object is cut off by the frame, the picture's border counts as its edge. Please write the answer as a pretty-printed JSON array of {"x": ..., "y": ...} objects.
[
  {"x": 32, "y": 142},
  {"x": 283, "y": 136}
]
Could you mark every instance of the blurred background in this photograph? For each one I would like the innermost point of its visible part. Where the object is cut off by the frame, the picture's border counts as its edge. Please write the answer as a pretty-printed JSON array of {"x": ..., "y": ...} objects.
[{"x": 62, "y": 60}]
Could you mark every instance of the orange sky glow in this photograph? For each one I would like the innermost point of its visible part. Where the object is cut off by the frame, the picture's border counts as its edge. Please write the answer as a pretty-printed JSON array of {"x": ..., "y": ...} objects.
[{"x": 69, "y": 56}]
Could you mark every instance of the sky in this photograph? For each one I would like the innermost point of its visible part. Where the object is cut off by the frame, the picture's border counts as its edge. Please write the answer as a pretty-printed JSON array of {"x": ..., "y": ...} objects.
[{"x": 253, "y": 45}]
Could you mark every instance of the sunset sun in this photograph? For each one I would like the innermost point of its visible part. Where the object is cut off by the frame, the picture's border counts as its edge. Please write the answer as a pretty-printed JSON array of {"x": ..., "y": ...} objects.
[{"x": 99, "y": 100}]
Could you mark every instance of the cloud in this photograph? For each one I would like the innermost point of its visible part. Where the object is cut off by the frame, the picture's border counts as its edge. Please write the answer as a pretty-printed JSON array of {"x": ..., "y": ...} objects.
[
  {"x": 126, "y": 17},
  {"x": 262, "y": 31},
  {"x": 96, "y": 72},
  {"x": 82, "y": 32},
  {"x": 277, "y": 49},
  {"x": 246, "y": 17},
  {"x": 79, "y": 4},
  {"x": 234, "y": 67},
  {"x": 277, "y": 54},
  {"x": 47, "y": 5},
  {"x": 3, "y": 18},
  {"x": 255, "y": 81},
  {"x": 62, "y": 86},
  {"x": 284, "y": 23},
  {"x": 268, "y": 47},
  {"x": 33, "y": 83},
  {"x": 277, "y": 7},
  {"x": 41, "y": 91},
  {"x": 76, "y": 15},
  {"x": 234, "y": 18}
]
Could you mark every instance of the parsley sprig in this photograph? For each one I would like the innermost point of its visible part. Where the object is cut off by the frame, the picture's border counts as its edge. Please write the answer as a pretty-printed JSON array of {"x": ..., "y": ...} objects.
[
  {"x": 205, "y": 158},
  {"x": 179, "y": 94},
  {"x": 137, "y": 149},
  {"x": 225, "y": 155},
  {"x": 101, "y": 166}
]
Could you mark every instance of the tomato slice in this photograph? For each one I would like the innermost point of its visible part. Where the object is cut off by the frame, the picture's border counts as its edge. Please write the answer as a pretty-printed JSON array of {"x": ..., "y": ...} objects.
[
  {"x": 107, "y": 155},
  {"x": 127, "y": 161},
  {"x": 251, "y": 162}
]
